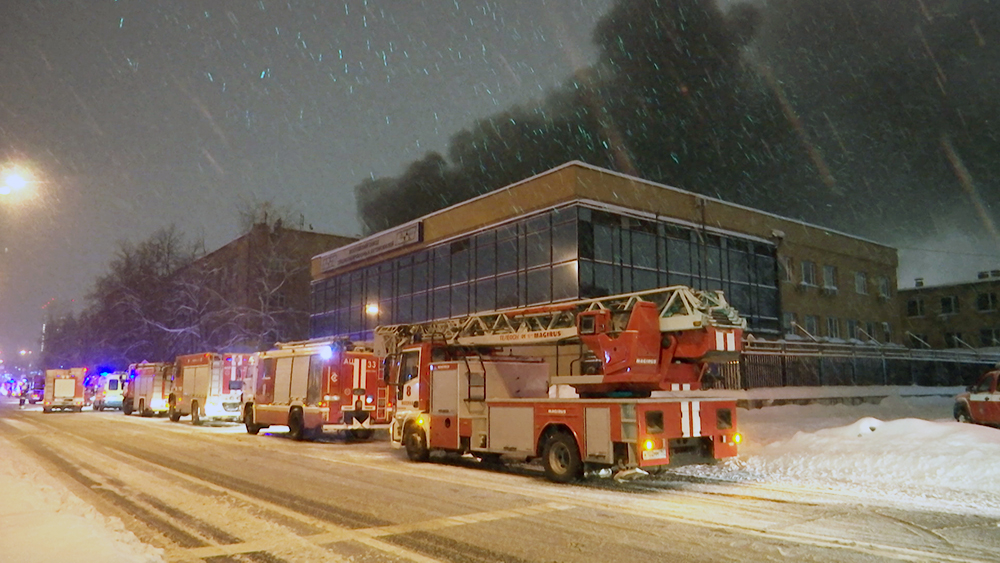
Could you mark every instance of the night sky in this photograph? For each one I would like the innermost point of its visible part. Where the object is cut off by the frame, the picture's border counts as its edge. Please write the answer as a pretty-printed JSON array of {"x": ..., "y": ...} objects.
[{"x": 133, "y": 115}]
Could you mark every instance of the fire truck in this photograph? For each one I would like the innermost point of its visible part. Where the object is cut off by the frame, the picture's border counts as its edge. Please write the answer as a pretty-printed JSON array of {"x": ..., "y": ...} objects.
[
  {"x": 109, "y": 392},
  {"x": 148, "y": 388},
  {"x": 316, "y": 385},
  {"x": 600, "y": 384},
  {"x": 209, "y": 386},
  {"x": 64, "y": 389}
]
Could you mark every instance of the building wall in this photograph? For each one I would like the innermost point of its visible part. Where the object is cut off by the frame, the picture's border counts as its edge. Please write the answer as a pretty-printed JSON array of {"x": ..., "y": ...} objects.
[
  {"x": 730, "y": 233},
  {"x": 255, "y": 289},
  {"x": 936, "y": 315}
]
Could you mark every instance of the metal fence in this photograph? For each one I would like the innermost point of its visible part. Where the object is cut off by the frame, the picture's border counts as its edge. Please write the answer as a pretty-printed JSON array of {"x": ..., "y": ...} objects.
[{"x": 809, "y": 364}]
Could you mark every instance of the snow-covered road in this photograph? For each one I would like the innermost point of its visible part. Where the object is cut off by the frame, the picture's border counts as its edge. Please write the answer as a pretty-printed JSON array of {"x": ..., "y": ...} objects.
[{"x": 905, "y": 451}]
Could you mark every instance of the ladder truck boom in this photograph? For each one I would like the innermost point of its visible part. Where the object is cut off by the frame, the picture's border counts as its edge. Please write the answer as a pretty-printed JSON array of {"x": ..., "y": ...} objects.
[{"x": 638, "y": 342}]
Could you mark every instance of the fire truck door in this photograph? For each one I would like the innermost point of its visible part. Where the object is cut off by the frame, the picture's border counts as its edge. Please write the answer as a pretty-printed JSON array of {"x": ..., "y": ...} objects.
[
  {"x": 282, "y": 380},
  {"x": 980, "y": 397},
  {"x": 444, "y": 407},
  {"x": 598, "y": 435}
]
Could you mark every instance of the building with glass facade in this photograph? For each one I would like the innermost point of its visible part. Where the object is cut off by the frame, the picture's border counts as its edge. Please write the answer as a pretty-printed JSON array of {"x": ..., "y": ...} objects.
[{"x": 574, "y": 232}]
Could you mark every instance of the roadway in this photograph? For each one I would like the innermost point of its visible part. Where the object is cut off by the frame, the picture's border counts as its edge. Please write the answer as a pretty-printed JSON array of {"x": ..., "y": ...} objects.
[{"x": 214, "y": 493}]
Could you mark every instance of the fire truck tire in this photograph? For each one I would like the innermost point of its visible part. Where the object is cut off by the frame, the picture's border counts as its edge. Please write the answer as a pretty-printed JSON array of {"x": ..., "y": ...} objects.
[
  {"x": 127, "y": 407},
  {"x": 415, "y": 441},
  {"x": 361, "y": 434},
  {"x": 296, "y": 426},
  {"x": 252, "y": 428},
  {"x": 173, "y": 413},
  {"x": 46, "y": 409},
  {"x": 561, "y": 458},
  {"x": 195, "y": 413},
  {"x": 962, "y": 413}
]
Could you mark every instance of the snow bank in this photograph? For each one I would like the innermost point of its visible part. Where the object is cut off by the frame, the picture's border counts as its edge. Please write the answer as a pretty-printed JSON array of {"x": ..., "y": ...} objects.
[
  {"x": 872, "y": 451},
  {"x": 41, "y": 520}
]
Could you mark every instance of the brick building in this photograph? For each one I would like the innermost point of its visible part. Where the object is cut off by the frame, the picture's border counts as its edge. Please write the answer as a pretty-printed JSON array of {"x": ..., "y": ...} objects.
[{"x": 959, "y": 315}]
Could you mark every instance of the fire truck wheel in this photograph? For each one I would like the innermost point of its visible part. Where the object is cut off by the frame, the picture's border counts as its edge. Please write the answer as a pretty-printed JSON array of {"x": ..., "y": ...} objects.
[
  {"x": 195, "y": 413},
  {"x": 46, "y": 409},
  {"x": 252, "y": 428},
  {"x": 416, "y": 443},
  {"x": 562, "y": 458},
  {"x": 127, "y": 407},
  {"x": 962, "y": 413},
  {"x": 296, "y": 427},
  {"x": 361, "y": 433},
  {"x": 173, "y": 413}
]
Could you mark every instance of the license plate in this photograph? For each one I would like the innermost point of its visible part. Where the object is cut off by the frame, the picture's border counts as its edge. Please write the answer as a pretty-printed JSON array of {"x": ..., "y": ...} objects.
[{"x": 654, "y": 454}]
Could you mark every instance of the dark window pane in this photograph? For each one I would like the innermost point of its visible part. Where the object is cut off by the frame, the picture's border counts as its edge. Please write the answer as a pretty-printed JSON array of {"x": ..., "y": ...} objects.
[
  {"x": 460, "y": 261},
  {"x": 564, "y": 282},
  {"x": 420, "y": 307},
  {"x": 539, "y": 286},
  {"x": 713, "y": 257},
  {"x": 404, "y": 312},
  {"x": 486, "y": 295},
  {"x": 644, "y": 250},
  {"x": 486, "y": 255},
  {"x": 442, "y": 266},
  {"x": 539, "y": 247},
  {"x": 604, "y": 243},
  {"x": 507, "y": 291},
  {"x": 506, "y": 256},
  {"x": 459, "y": 299},
  {"x": 586, "y": 240},
  {"x": 767, "y": 272},
  {"x": 442, "y": 303},
  {"x": 564, "y": 242},
  {"x": 404, "y": 280},
  {"x": 679, "y": 256},
  {"x": 739, "y": 265},
  {"x": 566, "y": 214},
  {"x": 644, "y": 279},
  {"x": 421, "y": 277},
  {"x": 604, "y": 280}
]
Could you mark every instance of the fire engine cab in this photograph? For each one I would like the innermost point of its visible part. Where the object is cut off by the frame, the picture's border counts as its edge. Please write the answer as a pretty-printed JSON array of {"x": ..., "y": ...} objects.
[
  {"x": 980, "y": 403},
  {"x": 209, "y": 386},
  {"x": 317, "y": 385},
  {"x": 571, "y": 383}
]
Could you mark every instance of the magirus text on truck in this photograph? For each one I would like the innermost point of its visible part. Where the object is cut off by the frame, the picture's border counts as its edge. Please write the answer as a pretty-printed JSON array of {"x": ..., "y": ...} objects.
[{"x": 609, "y": 383}]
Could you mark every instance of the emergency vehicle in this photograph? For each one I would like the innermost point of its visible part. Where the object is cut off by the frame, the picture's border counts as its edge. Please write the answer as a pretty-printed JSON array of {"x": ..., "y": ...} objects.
[
  {"x": 317, "y": 385},
  {"x": 980, "y": 404},
  {"x": 570, "y": 383},
  {"x": 109, "y": 392},
  {"x": 209, "y": 386},
  {"x": 64, "y": 389},
  {"x": 148, "y": 388}
]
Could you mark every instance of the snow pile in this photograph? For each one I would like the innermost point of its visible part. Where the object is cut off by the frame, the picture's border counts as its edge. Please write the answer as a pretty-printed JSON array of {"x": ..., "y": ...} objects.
[
  {"x": 938, "y": 464},
  {"x": 43, "y": 521}
]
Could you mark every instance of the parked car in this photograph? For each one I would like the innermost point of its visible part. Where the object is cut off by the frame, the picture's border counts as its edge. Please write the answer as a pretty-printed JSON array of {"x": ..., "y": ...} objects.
[{"x": 980, "y": 404}]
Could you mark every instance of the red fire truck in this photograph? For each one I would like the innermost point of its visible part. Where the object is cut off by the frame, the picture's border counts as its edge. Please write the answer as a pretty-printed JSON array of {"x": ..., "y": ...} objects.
[
  {"x": 148, "y": 388},
  {"x": 316, "y": 385},
  {"x": 209, "y": 386},
  {"x": 64, "y": 389},
  {"x": 571, "y": 383}
]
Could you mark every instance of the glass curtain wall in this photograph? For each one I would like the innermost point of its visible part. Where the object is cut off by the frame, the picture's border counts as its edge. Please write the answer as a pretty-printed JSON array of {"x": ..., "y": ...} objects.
[{"x": 563, "y": 254}]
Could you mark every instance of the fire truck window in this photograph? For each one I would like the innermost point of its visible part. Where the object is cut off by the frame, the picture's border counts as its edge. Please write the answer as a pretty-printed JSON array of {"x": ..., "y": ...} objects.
[
  {"x": 654, "y": 422},
  {"x": 723, "y": 419},
  {"x": 409, "y": 366},
  {"x": 315, "y": 384}
]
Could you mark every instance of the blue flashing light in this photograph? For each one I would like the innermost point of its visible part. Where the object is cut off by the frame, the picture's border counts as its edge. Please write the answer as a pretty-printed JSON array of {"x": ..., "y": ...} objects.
[{"x": 326, "y": 353}]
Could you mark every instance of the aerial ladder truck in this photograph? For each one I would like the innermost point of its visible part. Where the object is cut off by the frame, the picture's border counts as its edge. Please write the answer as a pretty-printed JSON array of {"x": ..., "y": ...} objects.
[{"x": 599, "y": 384}]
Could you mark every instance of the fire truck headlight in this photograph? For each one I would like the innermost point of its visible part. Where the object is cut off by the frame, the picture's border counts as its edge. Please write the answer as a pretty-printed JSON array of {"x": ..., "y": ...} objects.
[
  {"x": 649, "y": 445},
  {"x": 420, "y": 420},
  {"x": 369, "y": 399},
  {"x": 737, "y": 438}
]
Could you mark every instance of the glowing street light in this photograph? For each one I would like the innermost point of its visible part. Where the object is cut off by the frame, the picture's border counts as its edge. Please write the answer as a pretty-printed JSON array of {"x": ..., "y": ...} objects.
[
  {"x": 372, "y": 309},
  {"x": 13, "y": 180}
]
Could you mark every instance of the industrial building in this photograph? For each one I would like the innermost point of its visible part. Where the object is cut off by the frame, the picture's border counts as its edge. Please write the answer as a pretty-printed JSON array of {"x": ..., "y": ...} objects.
[{"x": 579, "y": 231}]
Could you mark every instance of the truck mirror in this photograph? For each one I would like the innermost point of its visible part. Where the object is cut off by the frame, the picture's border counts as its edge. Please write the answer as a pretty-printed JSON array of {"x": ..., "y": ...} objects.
[{"x": 387, "y": 372}]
